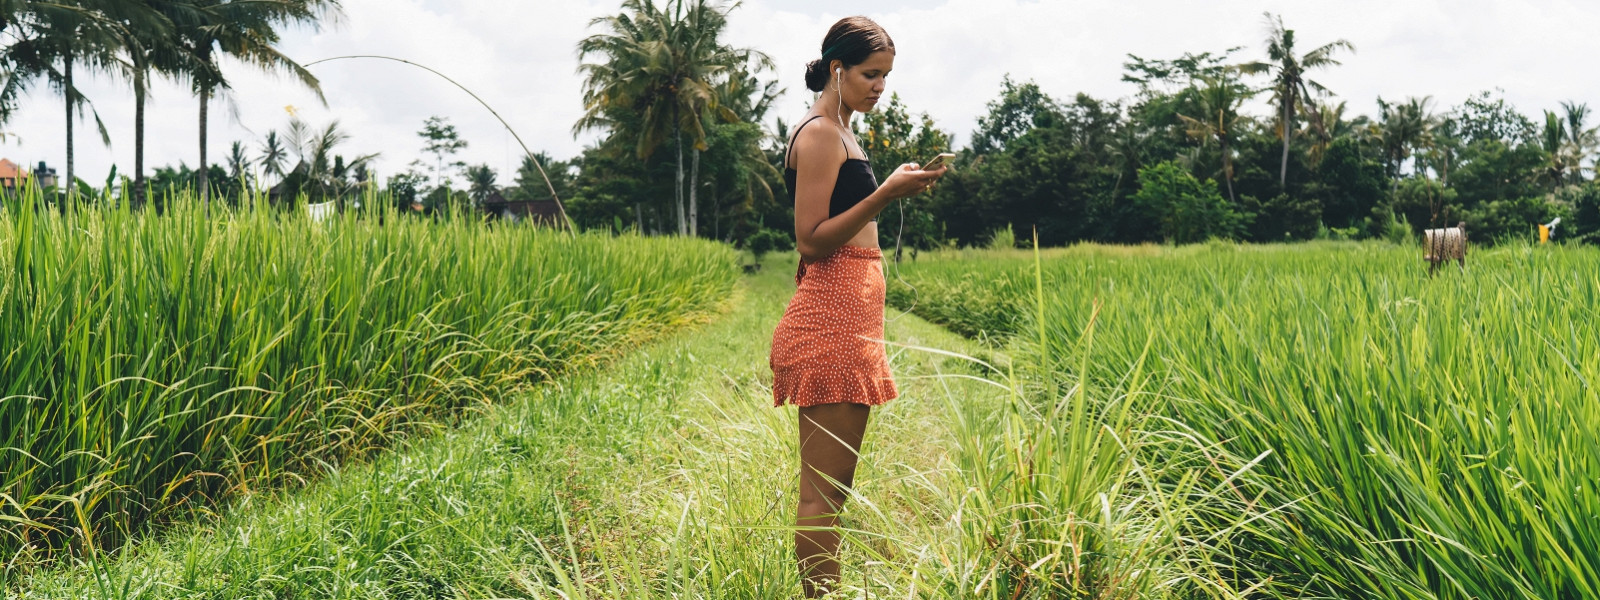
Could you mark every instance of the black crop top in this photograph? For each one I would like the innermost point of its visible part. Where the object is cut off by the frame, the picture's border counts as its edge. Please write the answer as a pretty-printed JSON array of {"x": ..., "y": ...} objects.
[{"x": 856, "y": 180}]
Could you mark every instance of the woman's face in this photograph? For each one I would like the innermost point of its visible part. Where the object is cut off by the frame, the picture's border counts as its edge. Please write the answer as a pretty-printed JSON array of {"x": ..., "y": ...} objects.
[{"x": 862, "y": 85}]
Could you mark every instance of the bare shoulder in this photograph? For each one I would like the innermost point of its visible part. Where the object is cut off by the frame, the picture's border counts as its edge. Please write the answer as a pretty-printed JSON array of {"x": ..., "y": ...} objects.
[{"x": 818, "y": 145}]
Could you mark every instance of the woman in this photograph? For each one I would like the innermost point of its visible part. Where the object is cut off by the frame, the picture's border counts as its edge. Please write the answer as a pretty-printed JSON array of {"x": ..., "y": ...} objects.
[{"x": 826, "y": 359}]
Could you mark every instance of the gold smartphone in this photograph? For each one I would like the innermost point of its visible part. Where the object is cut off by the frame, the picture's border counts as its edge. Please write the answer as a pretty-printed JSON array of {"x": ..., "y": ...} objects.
[{"x": 938, "y": 161}]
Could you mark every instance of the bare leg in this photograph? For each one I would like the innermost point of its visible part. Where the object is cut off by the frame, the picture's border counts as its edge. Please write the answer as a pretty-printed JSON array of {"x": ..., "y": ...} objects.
[{"x": 830, "y": 441}]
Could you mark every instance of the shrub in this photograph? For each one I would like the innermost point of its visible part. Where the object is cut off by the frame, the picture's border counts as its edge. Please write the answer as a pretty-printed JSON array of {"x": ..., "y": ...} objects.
[
  {"x": 1003, "y": 239},
  {"x": 1186, "y": 210},
  {"x": 1398, "y": 231},
  {"x": 766, "y": 240}
]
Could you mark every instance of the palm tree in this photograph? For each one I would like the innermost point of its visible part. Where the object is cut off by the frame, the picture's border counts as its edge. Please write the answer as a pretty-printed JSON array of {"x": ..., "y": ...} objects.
[
  {"x": 1218, "y": 103},
  {"x": 273, "y": 156},
  {"x": 318, "y": 166},
  {"x": 1126, "y": 149},
  {"x": 1443, "y": 145},
  {"x": 480, "y": 180},
  {"x": 1325, "y": 123},
  {"x": 237, "y": 161},
  {"x": 1581, "y": 140},
  {"x": 1567, "y": 142},
  {"x": 73, "y": 34},
  {"x": 154, "y": 50},
  {"x": 1291, "y": 90},
  {"x": 247, "y": 31},
  {"x": 663, "y": 68},
  {"x": 1552, "y": 140},
  {"x": 1404, "y": 129}
]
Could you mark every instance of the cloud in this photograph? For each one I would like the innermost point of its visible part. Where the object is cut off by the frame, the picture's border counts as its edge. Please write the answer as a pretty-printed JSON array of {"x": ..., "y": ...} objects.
[{"x": 519, "y": 55}]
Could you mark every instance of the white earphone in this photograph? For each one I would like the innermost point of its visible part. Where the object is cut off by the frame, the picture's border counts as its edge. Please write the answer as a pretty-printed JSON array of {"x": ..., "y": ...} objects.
[{"x": 838, "y": 87}]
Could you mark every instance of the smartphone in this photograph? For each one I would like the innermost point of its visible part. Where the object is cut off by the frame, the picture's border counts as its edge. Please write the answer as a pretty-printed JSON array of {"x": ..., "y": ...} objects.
[{"x": 938, "y": 161}]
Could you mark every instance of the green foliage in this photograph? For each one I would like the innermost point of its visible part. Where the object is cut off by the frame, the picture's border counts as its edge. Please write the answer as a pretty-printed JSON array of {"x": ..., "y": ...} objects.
[
  {"x": 480, "y": 182},
  {"x": 1161, "y": 77},
  {"x": 271, "y": 348},
  {"x": 1282, "y": 218},
  {"x": 1182, "y": 209},
  {"x": 1002, "y": 239},
  {"x": 1488, "y": 117},
  {"x": 1427, "y": 204},
  {"x": 891, "y": 137},
  {"x": 1492, "y": 170},
  {"x": 441, "y": 140},
  {"x": 1398, "y": 231},
  {"x": 1583, "y": 203},
  {"x": 1514, "y": 219},
  {"x": 1339, "y": 370},
  {"x": 530, "y": 185},
  {"x": 768, "y": 240},
  {"x": 1019, "y": 109},
  {"x": 405, "y": 189},
  {"x": 1348, "y": 185},
  {"x": 663, "y": 74},
  {"x": 1059, "y": 177}
]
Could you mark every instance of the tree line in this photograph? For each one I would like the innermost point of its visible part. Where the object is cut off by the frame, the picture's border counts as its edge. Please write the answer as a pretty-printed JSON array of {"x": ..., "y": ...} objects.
[
  {"x": 1179, "y": 161},
  {"x": 689, "y": 147},
  {"x": 53, "y": 42}
]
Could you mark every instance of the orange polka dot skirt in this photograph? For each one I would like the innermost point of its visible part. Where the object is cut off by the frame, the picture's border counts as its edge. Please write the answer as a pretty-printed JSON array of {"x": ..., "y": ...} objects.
[{"x": 826, "y": 349}]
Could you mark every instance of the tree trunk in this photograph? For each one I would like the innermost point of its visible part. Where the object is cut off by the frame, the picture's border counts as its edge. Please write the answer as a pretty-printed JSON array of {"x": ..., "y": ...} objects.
[
  {"x": 678, "y": 189},
  {"x": 138, "y": 138},
  {"x": 71, "y": 183},
  {"x": 694, "y": 184},
  {"x": 205, "y": 183},
  {"x": 638, "y": 217},
  {"x": 1227, "y": 172},
  {"x": 1283, "y": 171}
]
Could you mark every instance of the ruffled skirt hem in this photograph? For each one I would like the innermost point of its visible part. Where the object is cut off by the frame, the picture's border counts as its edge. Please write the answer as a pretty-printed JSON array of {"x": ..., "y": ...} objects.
[{"x": 818, "y": 386}]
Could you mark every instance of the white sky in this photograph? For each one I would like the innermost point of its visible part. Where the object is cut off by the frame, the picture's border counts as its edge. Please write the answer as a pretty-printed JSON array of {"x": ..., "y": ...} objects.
[{"x": 519, "y": 56}]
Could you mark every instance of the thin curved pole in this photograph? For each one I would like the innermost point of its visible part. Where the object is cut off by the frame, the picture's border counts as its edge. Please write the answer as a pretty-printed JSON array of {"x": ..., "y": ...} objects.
[{"x": 492, "y": 111}]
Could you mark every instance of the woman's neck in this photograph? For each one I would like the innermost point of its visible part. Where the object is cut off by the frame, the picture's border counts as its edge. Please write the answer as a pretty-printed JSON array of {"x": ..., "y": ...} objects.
[{"x": 829, "y": 106}]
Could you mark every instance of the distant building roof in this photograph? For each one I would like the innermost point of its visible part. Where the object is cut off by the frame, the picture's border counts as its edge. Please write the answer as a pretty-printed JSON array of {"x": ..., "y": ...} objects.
[
  {"x": 9, "y": 170},
  {"x": 541, "y": 211}
]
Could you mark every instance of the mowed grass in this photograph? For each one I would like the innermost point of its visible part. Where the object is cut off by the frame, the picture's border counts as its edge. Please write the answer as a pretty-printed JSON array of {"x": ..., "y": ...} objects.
[
  {"x": 153, "y": 365},
  {"x": 1412, "y": 437}
]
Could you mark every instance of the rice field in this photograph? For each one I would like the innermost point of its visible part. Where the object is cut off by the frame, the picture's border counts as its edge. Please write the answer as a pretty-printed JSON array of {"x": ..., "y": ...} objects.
[
  {"x": 1393, "y": 436},
  {"x": 152, "y": 366}
]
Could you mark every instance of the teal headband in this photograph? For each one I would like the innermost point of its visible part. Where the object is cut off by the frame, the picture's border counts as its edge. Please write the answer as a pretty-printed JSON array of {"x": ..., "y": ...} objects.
[{"x": 830, "y": 52}]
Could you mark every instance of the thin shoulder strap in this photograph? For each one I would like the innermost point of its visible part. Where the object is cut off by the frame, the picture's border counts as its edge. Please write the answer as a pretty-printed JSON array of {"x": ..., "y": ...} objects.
[{"x": 796, "y": 136}]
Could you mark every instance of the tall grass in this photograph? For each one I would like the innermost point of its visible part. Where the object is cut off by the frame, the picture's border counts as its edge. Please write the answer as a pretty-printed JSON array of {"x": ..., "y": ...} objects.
[
  {"x": 977, "y": 483},
  {"x": 153, "y": 364},
  {"x": 1422, "y": 438}
]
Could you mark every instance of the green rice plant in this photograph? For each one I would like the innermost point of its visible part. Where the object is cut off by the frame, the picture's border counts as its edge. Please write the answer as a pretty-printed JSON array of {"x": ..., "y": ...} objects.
[
  {"x": 988, "y": 487},
  {"x": 154, "y": 364},
  {"x": 1418, "y": 438}
]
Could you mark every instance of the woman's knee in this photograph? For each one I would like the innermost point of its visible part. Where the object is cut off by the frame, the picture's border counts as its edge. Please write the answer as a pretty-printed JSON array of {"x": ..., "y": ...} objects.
[{"x": 821, "y": 496}]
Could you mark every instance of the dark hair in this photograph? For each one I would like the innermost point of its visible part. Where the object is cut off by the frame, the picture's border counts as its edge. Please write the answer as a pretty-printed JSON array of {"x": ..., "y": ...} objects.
[{"x": 850, "y": 41}]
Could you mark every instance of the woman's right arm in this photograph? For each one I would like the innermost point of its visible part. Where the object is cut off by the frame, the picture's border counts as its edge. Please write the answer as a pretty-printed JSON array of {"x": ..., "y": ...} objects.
[{"x": 820, "y": 154}]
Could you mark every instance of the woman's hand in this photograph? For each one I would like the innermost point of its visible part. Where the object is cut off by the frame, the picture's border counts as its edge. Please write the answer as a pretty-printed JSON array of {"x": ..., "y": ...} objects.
[{"x": 910, "y": 180}]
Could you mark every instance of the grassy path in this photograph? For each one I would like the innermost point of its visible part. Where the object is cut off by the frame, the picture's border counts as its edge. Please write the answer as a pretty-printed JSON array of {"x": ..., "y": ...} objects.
[{"x": 667, "y": 474}]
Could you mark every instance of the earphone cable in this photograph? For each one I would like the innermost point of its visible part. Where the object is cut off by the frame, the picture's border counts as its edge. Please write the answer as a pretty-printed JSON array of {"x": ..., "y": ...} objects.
[{"x": 915, "y": 295}]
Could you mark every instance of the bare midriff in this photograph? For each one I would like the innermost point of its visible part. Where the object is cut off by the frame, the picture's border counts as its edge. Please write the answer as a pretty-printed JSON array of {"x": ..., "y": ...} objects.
[{"x": 867, "y": 237}]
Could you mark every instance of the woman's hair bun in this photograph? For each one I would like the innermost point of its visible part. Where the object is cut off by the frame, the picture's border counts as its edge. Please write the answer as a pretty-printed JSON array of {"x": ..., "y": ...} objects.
[
  {"x": 816, "y": 75},
  {"x": 851, "y": 41}
]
